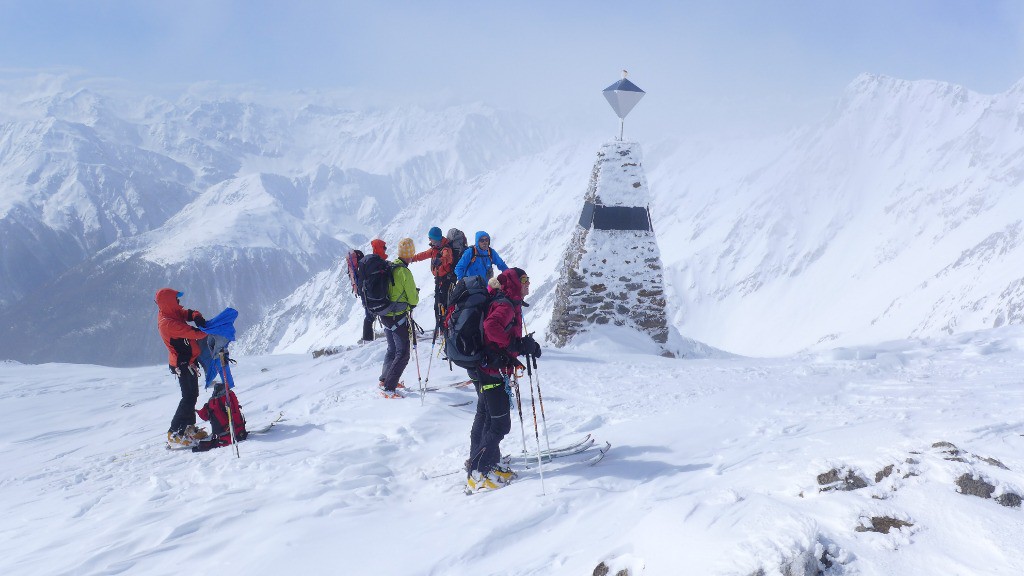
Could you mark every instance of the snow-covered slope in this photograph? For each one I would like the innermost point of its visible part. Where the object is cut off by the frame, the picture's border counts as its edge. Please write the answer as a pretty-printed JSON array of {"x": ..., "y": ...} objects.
[
  {"x": 718, "y": 467},
  {"x": 897, "y": 216}
]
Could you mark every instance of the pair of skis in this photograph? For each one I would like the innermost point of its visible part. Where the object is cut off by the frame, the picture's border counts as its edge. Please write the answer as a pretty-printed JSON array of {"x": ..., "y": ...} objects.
[{"x": 527, "y": 460}]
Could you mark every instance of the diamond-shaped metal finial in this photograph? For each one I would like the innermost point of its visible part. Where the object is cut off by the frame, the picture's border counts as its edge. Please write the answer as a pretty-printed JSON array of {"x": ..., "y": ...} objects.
[{"x": 623, "y": 96}]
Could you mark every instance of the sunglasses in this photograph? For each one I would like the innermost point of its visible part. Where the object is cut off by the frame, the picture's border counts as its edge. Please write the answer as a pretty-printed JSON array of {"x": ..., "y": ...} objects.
[
  {"x": 524, "y": 280},
  {"x": 484, "y": 239}
]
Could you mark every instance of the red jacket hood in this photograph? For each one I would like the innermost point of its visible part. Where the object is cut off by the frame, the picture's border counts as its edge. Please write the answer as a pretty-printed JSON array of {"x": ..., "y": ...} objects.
[
  {"x": 167, "y": 302},
  {"x": 379, "y": 248},
  {"x": 510, "y": 285}
]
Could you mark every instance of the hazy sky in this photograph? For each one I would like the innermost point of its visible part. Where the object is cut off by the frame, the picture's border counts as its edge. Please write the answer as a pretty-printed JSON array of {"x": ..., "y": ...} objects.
[{"x": 704, "y": 64}]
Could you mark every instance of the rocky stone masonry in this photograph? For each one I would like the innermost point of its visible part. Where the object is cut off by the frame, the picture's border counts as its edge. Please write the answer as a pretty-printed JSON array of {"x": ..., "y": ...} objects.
[{"x": 612, "y": 276}]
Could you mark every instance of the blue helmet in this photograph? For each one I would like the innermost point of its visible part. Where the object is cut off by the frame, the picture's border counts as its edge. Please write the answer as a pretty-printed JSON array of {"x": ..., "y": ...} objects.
[{"x": 435, "y": 234}]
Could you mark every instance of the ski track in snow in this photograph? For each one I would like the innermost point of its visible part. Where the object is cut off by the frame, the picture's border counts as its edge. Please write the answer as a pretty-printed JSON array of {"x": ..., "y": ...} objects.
[{"x": 712, "y": 471}]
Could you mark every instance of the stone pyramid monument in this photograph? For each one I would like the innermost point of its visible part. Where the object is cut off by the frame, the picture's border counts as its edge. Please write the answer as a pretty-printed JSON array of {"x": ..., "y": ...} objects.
[{"x": 611, "y": 270}]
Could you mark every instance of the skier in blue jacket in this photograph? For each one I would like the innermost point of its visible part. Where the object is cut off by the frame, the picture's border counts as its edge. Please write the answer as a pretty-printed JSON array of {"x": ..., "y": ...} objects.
[{"x": 478, "y": 259}]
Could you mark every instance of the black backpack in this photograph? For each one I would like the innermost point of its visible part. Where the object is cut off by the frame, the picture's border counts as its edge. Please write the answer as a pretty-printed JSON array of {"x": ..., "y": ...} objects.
[
  {"x": 457, "y": 240},
  {"x": 377, "y": 277},
  {"x": 468, "y": 304}
]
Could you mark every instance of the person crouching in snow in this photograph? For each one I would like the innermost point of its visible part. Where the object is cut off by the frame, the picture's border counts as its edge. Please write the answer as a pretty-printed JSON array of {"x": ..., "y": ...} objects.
[
  {"x": 503, "y": 341},
  {"x": 180, "y": 339},
  {"x": 397, "y": 325},
  {"x": 215, "y": 411}
]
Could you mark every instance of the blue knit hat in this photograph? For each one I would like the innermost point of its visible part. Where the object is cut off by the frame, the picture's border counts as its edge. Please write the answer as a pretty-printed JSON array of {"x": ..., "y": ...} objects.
[{"x": 435, "y": 234}]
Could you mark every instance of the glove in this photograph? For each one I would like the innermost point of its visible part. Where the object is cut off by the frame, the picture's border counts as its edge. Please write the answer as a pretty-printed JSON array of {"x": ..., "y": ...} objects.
[
  {"x": 508, "y": 361},
  {"x": 198, "y": 319},
  {"x": 529, "y": 346}
]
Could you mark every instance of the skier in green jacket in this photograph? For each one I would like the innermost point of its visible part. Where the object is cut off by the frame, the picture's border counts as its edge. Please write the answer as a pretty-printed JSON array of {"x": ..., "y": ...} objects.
[{"x": 397, "y": 325}]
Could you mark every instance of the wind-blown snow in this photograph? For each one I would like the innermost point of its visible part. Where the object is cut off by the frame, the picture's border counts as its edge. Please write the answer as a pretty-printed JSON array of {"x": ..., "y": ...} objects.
[{"x": 714, "y": 467}]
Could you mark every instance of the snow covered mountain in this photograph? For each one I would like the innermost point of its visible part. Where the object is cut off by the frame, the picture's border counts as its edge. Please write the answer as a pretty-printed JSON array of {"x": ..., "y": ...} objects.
[
  {"x": 105, "y": 198},
  {"x": 897, "y": 216}
]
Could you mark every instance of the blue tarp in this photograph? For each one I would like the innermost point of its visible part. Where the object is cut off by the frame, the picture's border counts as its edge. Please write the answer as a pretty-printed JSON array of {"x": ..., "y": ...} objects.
[
  {"x": 221, "y": 330},
  {"x": 223, "y": 324}
]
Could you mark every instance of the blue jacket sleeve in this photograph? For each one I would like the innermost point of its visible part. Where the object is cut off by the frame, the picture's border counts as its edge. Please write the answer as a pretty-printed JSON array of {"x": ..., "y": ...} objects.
[
  {"x": 498, "y": 261},
  {"x": 460, "y": 268}
]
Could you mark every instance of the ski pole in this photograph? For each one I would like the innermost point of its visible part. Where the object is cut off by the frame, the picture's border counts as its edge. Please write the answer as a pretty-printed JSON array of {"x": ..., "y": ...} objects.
[
  {"x": 536, "y": 434},
  {"x": 412, "y": 336},
  {"x": 416, "y": 354},
  {"x": 543, "y": 417},
  {"x": 430, "y": 360},
  {"x": 433, "y": 341},
  {"x": 519, "y": 406},
  {"x": 227, "y": 401}
]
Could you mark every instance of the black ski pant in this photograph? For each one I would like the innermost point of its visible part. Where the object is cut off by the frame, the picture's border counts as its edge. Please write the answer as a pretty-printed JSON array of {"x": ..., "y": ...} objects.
[
  {"x": 492, "y": 421},
  {"x": 188, "y": 379},
  {"x": 441, "y": 289},
  {"x": 368, "y": 320},
  {"x": 396, "y": 330}
]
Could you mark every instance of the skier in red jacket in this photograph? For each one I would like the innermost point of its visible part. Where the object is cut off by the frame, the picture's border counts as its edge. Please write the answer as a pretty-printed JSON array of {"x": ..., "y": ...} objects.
[
  {"x": 503, "y": 338},
  {"x": 183, "y": 352}
]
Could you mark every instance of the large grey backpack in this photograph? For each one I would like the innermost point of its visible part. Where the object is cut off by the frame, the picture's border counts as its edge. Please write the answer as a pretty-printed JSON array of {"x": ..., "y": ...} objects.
[{"x": 457, "y": 240}]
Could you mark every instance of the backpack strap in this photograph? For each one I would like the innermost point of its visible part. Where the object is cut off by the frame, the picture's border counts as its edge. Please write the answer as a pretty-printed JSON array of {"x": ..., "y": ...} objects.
[
  {"x": 395, "y": 266},
  {"x": 487, "y": 255}
]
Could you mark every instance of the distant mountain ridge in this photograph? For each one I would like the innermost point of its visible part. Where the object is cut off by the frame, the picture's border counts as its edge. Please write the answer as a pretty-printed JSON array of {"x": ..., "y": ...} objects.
[
  {"x": 896, "y": 216},
  {"x": 105, "y": 198}
]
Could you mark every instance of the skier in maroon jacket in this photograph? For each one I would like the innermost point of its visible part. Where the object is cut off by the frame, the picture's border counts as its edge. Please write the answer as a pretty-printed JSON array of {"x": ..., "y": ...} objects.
[{"x": 503, "y": 338}]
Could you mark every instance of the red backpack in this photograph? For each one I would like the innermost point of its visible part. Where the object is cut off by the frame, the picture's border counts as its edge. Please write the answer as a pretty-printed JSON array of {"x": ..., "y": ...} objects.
[{"x": 216, "y": 413}]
